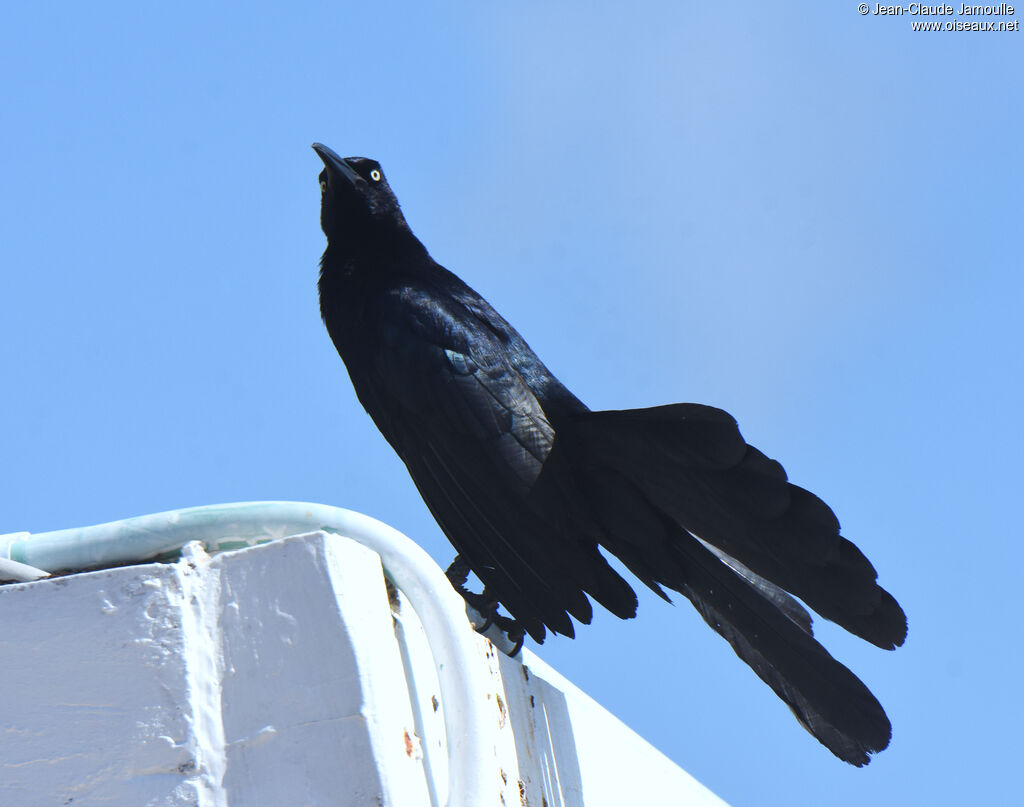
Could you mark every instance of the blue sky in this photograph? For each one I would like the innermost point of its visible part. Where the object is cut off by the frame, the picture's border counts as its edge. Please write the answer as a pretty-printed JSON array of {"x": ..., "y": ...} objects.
[{"x": 808, "y": 217}]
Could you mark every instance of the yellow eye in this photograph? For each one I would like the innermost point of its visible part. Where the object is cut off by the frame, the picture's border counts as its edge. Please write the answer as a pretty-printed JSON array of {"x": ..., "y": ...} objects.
[
  {"x": 323, "y": 186},
  {"x": 375, "y": 175}
]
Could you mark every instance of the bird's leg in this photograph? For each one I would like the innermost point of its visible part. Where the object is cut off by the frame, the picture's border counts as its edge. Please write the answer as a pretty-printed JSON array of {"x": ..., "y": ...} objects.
[
  {"x": 485, "y": 604},
  {"x": 458, "y": 574}
]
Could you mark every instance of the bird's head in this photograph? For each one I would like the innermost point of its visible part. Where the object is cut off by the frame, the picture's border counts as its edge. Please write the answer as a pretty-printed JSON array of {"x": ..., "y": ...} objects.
[{"x": 355, "y": 200}]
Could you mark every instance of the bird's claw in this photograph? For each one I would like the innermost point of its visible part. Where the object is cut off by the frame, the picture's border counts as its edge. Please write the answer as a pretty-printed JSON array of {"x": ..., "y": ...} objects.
[
  {"x": 513, "y": 630},
  {"x": 486, "y": 605}
]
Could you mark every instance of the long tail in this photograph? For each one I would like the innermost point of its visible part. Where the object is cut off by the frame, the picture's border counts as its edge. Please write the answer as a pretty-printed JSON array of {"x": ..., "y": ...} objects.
[{"x": 685, "y": 503}]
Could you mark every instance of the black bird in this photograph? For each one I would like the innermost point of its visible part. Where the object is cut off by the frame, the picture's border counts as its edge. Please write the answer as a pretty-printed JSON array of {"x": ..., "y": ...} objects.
[{"x": 528, "y": 483}]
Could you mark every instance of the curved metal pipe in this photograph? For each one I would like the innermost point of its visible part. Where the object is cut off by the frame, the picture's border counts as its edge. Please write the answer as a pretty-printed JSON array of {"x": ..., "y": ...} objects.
[{"x": 462, "y": 677}]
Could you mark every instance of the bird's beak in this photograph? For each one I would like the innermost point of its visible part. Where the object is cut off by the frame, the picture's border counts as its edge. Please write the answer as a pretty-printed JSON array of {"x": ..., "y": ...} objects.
[{"x": 337, "y": 168}]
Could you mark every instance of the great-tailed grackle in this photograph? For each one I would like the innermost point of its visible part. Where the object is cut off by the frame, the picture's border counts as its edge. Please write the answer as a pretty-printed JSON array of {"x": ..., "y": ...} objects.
[{"x": 528, "y": 483}]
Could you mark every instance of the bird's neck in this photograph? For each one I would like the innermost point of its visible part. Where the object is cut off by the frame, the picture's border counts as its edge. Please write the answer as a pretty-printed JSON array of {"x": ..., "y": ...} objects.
[
  {"x": 367, "y": 252},
  {"x": 354, "y": 270}
]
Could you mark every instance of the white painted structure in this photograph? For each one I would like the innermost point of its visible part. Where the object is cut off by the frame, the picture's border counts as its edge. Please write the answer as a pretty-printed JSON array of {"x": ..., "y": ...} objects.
[{"x": 284, "y": 675}]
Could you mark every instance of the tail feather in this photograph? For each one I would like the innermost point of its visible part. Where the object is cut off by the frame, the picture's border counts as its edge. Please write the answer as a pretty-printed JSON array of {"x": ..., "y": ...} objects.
[
  {"x": 685, "y": 503},
  {"x": 765, "y": 627},
  {"x": 778, "y": 597},
  {"x": 827, "y": 699},
  {"x": 693, "y": 465}
]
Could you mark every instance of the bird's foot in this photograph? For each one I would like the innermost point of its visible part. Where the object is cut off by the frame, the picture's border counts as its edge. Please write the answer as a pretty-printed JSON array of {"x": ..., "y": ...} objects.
[
  {"x": 501, "y": 630},
  {"x": 513, "y": 631},
  {"x": 486, "y": 606}
]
